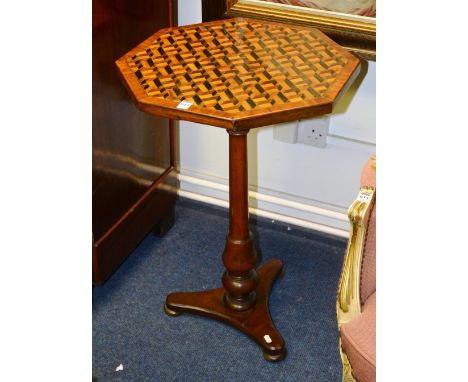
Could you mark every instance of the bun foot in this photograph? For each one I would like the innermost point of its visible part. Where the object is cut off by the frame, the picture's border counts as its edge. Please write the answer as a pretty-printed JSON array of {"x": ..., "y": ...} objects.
[
  {"x": 274, "y": 357},
  {"x": 170, "y": 312}
]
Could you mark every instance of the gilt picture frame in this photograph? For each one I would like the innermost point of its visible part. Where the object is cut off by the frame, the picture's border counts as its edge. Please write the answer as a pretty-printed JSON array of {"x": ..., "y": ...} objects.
[{"x": 351, "y": 27}]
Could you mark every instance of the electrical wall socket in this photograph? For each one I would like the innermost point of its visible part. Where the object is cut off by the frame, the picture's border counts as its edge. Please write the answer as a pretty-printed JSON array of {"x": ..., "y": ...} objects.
[{"x": 314, "y": 131}]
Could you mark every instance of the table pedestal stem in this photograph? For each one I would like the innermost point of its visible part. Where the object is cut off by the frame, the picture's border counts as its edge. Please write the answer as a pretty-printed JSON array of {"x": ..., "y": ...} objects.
[{"x": 243, "y": 302}]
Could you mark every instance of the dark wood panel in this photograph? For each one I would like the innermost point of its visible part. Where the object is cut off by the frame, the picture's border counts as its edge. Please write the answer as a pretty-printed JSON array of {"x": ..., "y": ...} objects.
[
  {"x": 154, "y": 211},
  {"x": 113, "y": 196},
  {"x": 213, "y": 9},
  {"x": 131, "y": 149}
]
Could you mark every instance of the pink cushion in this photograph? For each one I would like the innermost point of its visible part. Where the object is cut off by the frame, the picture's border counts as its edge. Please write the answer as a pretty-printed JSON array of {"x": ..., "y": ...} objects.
[
  {"x": 358, "y": 341},
  {"x": 368, "y": 260},
  {"x": 368, "y": 178}
]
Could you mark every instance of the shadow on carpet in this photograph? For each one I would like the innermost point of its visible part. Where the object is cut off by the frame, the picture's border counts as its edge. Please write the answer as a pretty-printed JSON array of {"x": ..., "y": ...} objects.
[{"x": 130, "y": 327}]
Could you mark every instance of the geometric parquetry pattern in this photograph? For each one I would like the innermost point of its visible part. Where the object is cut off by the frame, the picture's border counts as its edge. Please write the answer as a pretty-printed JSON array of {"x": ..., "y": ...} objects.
[{"x": 236, "y": 66}]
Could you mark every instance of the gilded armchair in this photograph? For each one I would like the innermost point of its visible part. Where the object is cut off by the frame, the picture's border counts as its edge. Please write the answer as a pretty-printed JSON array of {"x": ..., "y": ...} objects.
[{"x": 356, "y": 299}]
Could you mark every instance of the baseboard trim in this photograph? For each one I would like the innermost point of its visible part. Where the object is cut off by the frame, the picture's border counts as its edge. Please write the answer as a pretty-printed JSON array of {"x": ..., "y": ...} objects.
[
  {"x": 267, "y": 198},
  {"x": 216, "y": 193}
]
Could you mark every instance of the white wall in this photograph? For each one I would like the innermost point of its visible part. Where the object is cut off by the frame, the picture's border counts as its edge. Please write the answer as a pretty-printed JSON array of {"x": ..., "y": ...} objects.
[
  {"x": 300, "y": 184},
  {"x": 190, "y": 12}
]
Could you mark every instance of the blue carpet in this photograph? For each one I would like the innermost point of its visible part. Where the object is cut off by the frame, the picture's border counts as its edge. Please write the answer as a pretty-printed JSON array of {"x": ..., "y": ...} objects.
[{"x": 130, "y": 327}]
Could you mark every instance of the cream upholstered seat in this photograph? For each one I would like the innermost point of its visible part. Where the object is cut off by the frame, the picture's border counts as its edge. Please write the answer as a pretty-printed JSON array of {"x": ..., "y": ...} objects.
[{"x": 356, "y": 302}]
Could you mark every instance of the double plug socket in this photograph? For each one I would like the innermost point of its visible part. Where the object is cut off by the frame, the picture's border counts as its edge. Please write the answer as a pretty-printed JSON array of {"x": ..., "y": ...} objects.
[
  {"x": 311, "y": 132},
  {"x": 314, "y": 131}
]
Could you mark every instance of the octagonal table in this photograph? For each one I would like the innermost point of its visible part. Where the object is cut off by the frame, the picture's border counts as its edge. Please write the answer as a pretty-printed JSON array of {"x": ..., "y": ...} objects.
[{"x": 238, "y": 74}]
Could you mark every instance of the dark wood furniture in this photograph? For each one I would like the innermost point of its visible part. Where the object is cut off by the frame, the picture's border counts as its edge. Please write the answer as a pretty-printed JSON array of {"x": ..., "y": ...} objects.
[
  {"x": 134, "y": 183},
  {"x": 238, "y": 74}
]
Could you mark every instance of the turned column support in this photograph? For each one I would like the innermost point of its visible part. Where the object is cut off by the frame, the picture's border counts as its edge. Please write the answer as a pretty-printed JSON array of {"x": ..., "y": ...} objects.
[
  {"x": 239, "y": 257},
  {"x": 243, "y": 300}
]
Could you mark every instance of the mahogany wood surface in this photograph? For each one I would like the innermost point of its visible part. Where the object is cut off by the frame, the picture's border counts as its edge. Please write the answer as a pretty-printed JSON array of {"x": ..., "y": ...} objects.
[
  {"x": 128, "y": 201},
  {"x": 239, "y": 256},
  {"x": 238, "y": 74},
  {"x": 255, "y": 322},
  {"x": 153, "y": 211},
  {"x": 243, "y": 300}
]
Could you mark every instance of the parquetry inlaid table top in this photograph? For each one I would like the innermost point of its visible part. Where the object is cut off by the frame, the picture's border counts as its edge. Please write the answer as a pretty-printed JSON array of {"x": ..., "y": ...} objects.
[{"x": 238, "y": 73}]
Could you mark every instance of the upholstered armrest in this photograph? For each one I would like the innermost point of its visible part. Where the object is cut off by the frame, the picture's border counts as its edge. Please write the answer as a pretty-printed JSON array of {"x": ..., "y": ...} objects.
[{"x": 348, "y": 304}]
